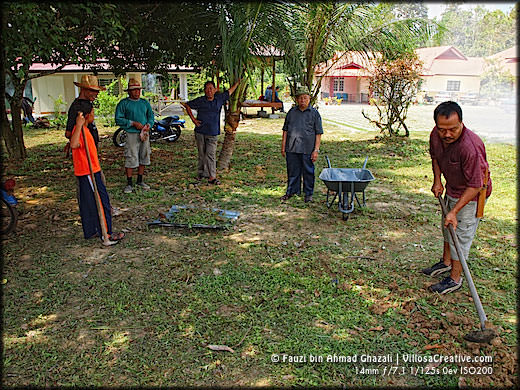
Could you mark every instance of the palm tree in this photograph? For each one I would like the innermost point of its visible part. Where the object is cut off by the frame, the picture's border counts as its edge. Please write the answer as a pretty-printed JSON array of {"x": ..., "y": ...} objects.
[
  {"x": 307, "y": 33},
  {"x": 246, "y": 30},
  {"x": 321, "y": 29}
]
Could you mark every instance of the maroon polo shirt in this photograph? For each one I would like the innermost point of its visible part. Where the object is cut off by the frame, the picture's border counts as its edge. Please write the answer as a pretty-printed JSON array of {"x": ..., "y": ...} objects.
[{"x": 462, "y": 162}]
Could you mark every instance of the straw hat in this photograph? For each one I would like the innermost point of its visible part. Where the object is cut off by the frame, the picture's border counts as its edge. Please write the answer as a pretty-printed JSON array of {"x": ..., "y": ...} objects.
[
  {"x": 89, "y": 81},
  {"x": 133, "y": 84}
]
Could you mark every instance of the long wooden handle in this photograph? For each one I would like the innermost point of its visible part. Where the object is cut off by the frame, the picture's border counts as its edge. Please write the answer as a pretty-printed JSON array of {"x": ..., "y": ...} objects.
[
  {"x": 482, "y": 196},
  {"x": 96, "y": 193}
]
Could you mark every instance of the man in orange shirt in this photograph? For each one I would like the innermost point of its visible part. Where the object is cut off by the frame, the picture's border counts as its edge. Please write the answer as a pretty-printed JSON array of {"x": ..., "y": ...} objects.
[{"x": 90, "y": 220}]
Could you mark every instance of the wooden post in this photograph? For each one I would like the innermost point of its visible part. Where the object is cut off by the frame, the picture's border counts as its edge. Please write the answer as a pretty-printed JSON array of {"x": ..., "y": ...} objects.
[
  {"x": 262, "y": 82},
  {"x": 273, "y": 86}
]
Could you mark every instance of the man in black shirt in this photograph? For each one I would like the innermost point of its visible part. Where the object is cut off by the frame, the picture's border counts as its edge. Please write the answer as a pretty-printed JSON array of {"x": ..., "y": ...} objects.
[{"x": 89, "y": 90}]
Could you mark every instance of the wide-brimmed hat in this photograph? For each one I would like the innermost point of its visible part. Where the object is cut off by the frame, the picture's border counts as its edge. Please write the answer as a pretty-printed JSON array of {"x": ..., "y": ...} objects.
[
  {"x": 89, "y": 81},
  {"x": 302, "y": 91},
  {"x": 133, "y": 84}
]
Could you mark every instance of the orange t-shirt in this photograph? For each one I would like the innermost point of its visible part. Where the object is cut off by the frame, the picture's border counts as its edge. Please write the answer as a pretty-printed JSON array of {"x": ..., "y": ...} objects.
[{"x": 79, "y": 155}]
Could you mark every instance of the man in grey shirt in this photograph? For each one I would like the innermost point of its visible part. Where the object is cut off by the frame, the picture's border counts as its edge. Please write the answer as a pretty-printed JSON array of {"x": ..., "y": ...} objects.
[{"x": 301, "y": 139}]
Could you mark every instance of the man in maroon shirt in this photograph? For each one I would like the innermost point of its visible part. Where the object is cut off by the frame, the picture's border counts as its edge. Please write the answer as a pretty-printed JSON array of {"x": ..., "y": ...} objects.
[{"x": 460, "y": 156}]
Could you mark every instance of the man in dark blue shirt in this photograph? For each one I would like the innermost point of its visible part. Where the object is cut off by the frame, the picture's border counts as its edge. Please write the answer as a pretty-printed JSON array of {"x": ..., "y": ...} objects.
[
  {"x": 301, "y": 139},
  {"x": 207, "y": 127}
]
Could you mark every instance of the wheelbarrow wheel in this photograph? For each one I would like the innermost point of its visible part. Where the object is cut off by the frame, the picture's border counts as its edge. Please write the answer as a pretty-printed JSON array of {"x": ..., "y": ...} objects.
[{"x": 345, "y": 216}]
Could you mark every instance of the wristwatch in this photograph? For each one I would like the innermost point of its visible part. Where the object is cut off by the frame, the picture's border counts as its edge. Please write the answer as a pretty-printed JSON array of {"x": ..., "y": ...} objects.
[{"x": 316, "y": 150}]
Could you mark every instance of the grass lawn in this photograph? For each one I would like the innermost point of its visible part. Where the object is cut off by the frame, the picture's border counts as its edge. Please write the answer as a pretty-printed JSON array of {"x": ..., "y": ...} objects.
[{"x": 287, "y": 280}]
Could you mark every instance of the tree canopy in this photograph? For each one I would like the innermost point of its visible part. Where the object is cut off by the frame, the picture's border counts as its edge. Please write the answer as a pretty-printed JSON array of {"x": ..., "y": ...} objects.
[{"x": 477, "y": 32}]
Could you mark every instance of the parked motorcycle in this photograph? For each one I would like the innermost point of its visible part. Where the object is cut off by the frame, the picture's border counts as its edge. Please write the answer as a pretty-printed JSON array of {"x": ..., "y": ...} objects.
[
  {"x": 8, "y": 203},
  {"x": 168, "y": 129}
]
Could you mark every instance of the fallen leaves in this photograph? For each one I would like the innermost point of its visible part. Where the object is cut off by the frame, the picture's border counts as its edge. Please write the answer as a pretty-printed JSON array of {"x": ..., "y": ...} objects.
[
  {"x": 221, "y": 348},
  {"x": 432, "y": 346},
  {"x": 378, "y": 309}
]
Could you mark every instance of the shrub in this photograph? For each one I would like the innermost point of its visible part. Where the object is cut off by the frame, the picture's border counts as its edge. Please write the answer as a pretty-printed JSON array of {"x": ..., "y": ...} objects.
[
  {"x": 60, "y": 118},
  {"x": 106, "y": 103}
]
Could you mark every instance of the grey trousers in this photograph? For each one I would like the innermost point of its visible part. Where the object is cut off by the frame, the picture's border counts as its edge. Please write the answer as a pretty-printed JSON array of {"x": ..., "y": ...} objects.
[
  {"x": 207, "y": 148},
  {"x": 467, "y": 224}
]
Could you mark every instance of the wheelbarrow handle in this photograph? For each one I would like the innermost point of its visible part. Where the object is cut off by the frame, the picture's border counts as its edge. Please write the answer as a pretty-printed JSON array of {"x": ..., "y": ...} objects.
[
  {"x": 365, "y": 163},
  {"x": 328, "y": 161}
]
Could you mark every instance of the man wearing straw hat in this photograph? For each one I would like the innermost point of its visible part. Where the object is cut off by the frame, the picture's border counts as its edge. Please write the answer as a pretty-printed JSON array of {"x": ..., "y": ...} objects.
[
  {"x": 135, "y": 115},
  {"x": 89, "y": 89}
]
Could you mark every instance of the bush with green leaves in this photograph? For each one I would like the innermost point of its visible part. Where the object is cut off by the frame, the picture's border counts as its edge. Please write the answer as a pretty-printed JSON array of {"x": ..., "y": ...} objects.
[
  {"x": 60, "y": 118},
  {"x": 106, "y": 102}
]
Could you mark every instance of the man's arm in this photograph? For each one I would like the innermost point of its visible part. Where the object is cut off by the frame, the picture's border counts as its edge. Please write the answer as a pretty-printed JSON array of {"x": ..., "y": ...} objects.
[
  {"x": 74, "y": 140},
  {"x": 284, "y": 140},
  {"x": 121, "y": 119},
  {"x": 71, "y": 121},
  {"x": 468, "y": 195},
  {"x": 437, "y": 187},
  {"x": 190, "y": 114},
  {"x": 314, "y": 154},
  {"x": 233, "y": 87}
]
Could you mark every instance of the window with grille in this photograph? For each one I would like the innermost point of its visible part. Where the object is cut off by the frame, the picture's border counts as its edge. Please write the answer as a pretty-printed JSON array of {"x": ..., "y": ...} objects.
[
  {"x": 105, "y": 82},
  {"x": 338, "y": 84},
  {"x": 453, "y": 85}
]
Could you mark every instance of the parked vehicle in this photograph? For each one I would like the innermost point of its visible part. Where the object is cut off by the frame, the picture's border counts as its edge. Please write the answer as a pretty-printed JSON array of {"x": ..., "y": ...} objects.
[
  {"x": 442, "y": 97},
  {"x": 168, "y": 129},
  {"x": 8, "y": 202},
  {"x": 469, "y": 98}
]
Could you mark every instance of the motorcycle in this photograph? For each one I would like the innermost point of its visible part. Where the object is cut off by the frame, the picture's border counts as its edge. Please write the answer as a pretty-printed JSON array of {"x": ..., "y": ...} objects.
[
  {"x": 168, "y": 129},
  {"x": 9, "y": 213}
]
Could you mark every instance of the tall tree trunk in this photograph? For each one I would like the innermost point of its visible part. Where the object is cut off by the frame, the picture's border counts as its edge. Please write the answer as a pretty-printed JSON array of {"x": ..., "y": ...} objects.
[
  {"x": 13, "y": 133},
  {"x": 231, "y": 121},
  {"x": 230, "y": 128}
]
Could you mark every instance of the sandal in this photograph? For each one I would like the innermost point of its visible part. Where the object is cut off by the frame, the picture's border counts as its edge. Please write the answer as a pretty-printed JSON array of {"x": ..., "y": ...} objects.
[
  {"x": 116, "y": 236},
  {"x": 109, "y": 242},
  {"x": 215, "y": 182}
]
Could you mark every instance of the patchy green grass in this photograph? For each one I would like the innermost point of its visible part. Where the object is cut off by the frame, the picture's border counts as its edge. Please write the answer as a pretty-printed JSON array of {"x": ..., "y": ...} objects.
[{"x": 289, "y": 279}]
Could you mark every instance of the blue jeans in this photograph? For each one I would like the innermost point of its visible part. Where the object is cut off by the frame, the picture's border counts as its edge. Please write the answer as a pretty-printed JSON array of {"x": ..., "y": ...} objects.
[{"x": 298, "y": 165}]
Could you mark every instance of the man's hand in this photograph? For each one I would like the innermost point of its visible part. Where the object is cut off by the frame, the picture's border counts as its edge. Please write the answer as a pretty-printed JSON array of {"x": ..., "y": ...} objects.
[
  {"x": 437, "y": 189},
  {"x": 197, "y": 122},
  {"x": 137, "y": 125},
  {"x": 283, "y": 152},
  {"x": 144, "y": 132},
  {"x": 80, "y": 120},
  {"x": 451, "y": 219},
  {"x": 314, "y": 156}
]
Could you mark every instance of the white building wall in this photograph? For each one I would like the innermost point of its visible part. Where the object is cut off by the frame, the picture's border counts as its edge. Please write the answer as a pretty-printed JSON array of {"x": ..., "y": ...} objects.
[
  {"x": 48, "y": 88},
  {"x": 183, "y": 86}
]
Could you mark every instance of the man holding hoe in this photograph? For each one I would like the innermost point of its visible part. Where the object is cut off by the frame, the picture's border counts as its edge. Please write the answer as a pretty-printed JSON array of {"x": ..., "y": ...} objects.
[{"x": 460, "y": 156}]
